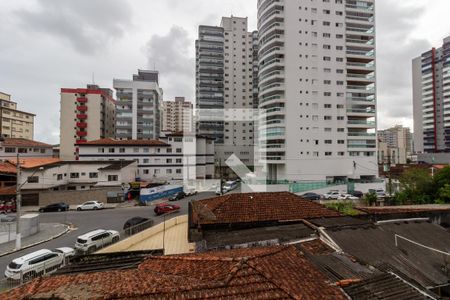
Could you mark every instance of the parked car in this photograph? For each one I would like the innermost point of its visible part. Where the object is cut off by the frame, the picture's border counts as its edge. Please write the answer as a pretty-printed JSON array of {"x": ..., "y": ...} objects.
[
  {"x": 191, "y": 192},
  {"x": 332, "y": 195},
  {"x": 311, "y": 196},
  {"x": 94, "y": 240},
  {"x": 178, "y": 196},
  {"x": 90, "y": 205},
  {"x": 229, "y": 186},
  {"x": 34, "y": 264},
  {"x": 54, "y": 207},
  {"x": 137, "y": 224},
  {"x": 379, "y": 192},
  {"x": 358, "y": 194},
  {"x": 347, "y": 197},
  {"x": 7, "y": 207},
  {"x": 67, "y": 252},
  {"x": 164, "y": 208}
]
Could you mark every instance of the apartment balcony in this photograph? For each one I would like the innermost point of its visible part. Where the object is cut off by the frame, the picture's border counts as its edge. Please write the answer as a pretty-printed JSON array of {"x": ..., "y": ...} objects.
[
  {"x": 81, "y": 141},
  {"x": 366, "y": 43},
  {"x": 364, "y": 19},
  {"x": 82, "y": 116},
  {"x": 361, "y": 112},
  {"x": 272, "y": 100},
  {"x": 368, "y": 8},
  {"x": 361, "y": 54},
  {"x": 82, "y": 125},
  {"x": 361, "y": 135},
  {"x": 361, "y": 65},
  {"x": 276, "y": 50},
  {"x": 272, "y": 64},
  {"x": 281, "y": 159},
  {"x": 274, "y": 111},
  {"x": 82, "y": 108},
  {"x": 82, "y": 133},
  {"x": 82, "y": 99},
  {"x": 365, "y": 78},
  {"x": 361, "y": 124},
  {"x": 271, "y": 13},
  {"x": 362, "y": 89},
  {"x": 276, "y": 88},
  {"x": 266, "y": 5}
]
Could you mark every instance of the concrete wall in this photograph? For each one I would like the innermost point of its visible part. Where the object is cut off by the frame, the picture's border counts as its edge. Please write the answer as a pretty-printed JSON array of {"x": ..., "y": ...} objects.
[{"x": 74, "y": 197}]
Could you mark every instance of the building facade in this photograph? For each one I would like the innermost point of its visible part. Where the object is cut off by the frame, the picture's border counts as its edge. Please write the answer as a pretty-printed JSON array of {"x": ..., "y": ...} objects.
[
  {"x": 431, "y": 100},
  {"x": 11, "y": 147},
  {"x": 234, "y": 91},
  {"x": 138, "y": 106},
  {"x": 317, "y": 93},
  {"x": 15, "y": 123},
  {"x": 397, "y": 137},
  {"x": 86, "y": 114},
  {"x": 174, "y": 157},
  {"x": 391, "y": 155},
  {"x": 177, "y": 116}
]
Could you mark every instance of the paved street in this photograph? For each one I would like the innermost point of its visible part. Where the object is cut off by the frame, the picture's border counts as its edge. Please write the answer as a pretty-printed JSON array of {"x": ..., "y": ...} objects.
[{"x": 90, "y": 220}]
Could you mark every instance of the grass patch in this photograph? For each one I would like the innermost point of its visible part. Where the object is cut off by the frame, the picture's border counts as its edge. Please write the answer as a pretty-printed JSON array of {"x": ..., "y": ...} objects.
[{"x": 346, "y": 208}]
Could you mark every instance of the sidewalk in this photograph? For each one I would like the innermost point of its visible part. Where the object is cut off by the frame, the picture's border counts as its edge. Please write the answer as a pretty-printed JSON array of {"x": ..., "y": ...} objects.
[{"x": 47, "y": 231}]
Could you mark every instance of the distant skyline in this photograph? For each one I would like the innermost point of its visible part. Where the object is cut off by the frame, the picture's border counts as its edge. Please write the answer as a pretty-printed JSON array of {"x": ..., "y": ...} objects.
[{"x": 46, "y": 45}]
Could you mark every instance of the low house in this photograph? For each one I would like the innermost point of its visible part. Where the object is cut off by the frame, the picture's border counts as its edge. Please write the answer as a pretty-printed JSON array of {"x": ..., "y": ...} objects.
[
  {"x": 11, "y": 147},
  {"x": 173, "y": 157}
]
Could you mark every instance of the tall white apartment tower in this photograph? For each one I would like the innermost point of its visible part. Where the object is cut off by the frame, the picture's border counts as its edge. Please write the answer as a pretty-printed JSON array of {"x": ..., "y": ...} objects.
[
  {"x": 226, "y": 80},
  {"x": 317, "y": 89},
  {"x": 138, "y": 106},
  {"x": 431, "y": 100}
]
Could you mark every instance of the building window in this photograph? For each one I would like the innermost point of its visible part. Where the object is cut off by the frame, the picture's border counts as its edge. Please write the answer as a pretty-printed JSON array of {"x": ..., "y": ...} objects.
[
  {"x": 169, "y": 150},
  {"x": 329, "y": 142},
  {"x": 146, "y": 172},
  {"x": 169, "y": 171},
  {"x": 33, "y": 179},
  {"x": 101, "y": 150},
  {"x": 23, "y": 150},
  {"x": 328, "y": 153},
  {"x": 113, "y": 178},
  {"x": 179, "y": 160},
  {"x": 122, "y": 150},
  {"x": 178, "y": 171},
  {"x": 111, "y": 150},
  {"x": 156, "y": 171},
  {"x": 146, "y": 150},
  {"x": 169, "y": 160},
  {"x": 74, "y": 175},
  {"x": 93, "y": 175},
  {"x": 179, "y": 150},
  {"x": 10, "y": 150},
  {"x": 136, "y": 150},
  {"x": 146, "y": 160}
]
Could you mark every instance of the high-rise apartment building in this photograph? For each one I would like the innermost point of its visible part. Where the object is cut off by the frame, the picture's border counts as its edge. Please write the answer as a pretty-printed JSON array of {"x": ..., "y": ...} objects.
[
  {"x": 317, "y": 89},
  {"x": 138, "y": 106},
  {"x": 87, "y": 114},
  {"x": 397, "y": 137},
  {"x": 14, "y": 123},
  {"x": 431, "y": 100},
  {"x": 226, "y": 69},
  {"x": 177, "y": 116}
]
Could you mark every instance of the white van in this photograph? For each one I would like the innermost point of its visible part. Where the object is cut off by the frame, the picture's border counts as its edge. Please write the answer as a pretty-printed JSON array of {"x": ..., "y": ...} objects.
[
  {"x": 34, "y": 264},
  {"x": 97, "y": 239}
]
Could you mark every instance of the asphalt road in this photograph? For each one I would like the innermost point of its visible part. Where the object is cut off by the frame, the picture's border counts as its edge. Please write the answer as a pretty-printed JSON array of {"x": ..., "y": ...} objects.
[{"x": 86, "y": 221}]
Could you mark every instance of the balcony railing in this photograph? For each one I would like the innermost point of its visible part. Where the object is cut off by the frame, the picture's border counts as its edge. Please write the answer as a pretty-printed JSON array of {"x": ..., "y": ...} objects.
[
  {"x": 82, "y": 99},
  {"x": 82, "y": 108},
  {"x": 81, "y": 133},
  {"x": 82, "y": 116},
  {"x": 82, "y": 125}
]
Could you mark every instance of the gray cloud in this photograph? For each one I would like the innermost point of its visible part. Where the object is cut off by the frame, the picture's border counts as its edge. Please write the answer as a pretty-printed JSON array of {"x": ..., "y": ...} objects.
[
  {"x": 171, "y": 55},
  {"x": 88, "y": 25},
  {"x": 395, "y": 50}
]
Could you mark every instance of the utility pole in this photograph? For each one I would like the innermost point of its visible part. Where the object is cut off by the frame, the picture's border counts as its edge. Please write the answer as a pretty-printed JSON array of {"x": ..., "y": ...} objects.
[
  {"x": 18, "y": 204},
  {"x": 220, "y": 176},
  {"x": 389, "y": 173}
]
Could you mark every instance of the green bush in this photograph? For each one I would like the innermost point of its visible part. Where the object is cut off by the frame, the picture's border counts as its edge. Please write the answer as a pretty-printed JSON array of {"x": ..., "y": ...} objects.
[{"x": 370, "y": 199}]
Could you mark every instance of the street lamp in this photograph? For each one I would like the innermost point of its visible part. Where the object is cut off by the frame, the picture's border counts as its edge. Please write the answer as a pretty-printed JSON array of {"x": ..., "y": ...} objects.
[{"x": 19, "y": 202}]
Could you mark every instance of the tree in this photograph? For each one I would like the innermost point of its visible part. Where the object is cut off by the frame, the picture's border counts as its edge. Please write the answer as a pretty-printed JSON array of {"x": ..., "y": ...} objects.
[
  {"x": 417, "y": 185},
  {"x": 370, "y": 198},
  {"x": 441, "y": 178},
  {"x": 444, "y": 193}
]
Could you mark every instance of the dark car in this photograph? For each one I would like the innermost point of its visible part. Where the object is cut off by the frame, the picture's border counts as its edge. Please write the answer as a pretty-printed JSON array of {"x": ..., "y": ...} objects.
[
  {"x": 178, "y": 196},
  {"x": 137, "y": 224},
  {"x": 358, "y": 194},
  {"x": 164, "y": 208},
  {"x": 54, "y": 207},
  {"x": 311, "y": 196}
]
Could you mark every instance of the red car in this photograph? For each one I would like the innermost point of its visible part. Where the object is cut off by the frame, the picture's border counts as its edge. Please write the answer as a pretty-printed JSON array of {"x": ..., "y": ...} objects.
[
  {"x": 7, "y": 207},
  {"x": 164, "y": 208}
]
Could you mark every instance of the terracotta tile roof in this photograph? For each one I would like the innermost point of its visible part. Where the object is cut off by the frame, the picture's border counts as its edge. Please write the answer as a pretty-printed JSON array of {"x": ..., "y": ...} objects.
[
  {"x": 257, "y": 207},
  {"x": 254, "y": 273},
  {"x": 34, "y": 162},
  {"x": 114, "y": 142},
  {"x": 7, "y": 168},
  {"x": 20, "y": 142}
]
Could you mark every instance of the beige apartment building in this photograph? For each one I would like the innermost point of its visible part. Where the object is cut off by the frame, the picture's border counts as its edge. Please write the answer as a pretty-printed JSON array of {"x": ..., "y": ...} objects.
[
  {"x": 87, "y": 114},
  {"x": 177, "y": 116},
  {"x": 15, "y": 123}
]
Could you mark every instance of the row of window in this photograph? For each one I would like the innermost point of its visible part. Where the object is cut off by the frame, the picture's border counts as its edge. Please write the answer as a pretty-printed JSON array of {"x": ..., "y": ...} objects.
[
  {"x": 22, "y": 150},
  {"x": 326, "y": 118},
  {"x": 158, "y": 171},
  {"x": 138, "y": 150},
  {"x": 340, "y": 153}
]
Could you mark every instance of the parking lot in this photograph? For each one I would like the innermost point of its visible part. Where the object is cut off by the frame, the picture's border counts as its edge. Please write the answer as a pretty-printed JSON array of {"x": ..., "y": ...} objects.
[{"x": 86, "y": 221}]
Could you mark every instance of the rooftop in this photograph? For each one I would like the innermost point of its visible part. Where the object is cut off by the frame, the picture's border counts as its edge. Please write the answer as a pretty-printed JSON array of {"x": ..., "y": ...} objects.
[
  {"x": 21, "y": 142},
  {"x": 254, "y": 273},
  {"x": 375, "y": 245},
  {"x": 35, "y": 162},
  {"x": 404, "y": 209},
  {"x": 243, "y": 208},
  {"x": 7, "y": 168},
  {"x": 114, "y": 142}
]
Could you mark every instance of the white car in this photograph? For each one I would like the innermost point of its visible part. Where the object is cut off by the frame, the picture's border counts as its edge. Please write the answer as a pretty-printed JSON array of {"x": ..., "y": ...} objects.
[
  {"x": 34, "y": 264},
  {"x": 332, "y": 195},
  {"x": 90, "y": 205},
  {"x": 347, "y": 197},
  {"x": 67, "y": 252},
  {"x": 97, "y": 239}
]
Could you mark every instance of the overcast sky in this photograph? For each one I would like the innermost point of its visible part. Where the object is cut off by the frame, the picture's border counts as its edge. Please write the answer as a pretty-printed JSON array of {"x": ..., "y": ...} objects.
[{"x": 49, "y": 44}]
